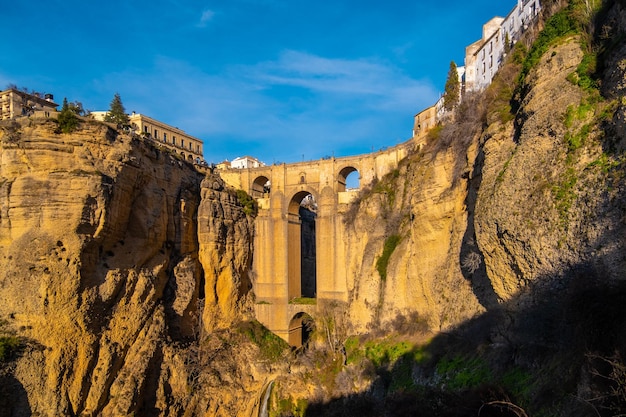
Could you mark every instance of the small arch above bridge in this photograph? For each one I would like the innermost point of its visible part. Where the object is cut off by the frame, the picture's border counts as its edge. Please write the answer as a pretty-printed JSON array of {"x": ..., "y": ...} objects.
[
  {"x": 260, "y": 187},
  {"x": 343, "y": 183}
]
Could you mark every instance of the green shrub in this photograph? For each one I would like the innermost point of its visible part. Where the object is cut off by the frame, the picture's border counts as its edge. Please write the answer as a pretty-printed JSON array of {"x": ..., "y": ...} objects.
[
  {"x": 434, "y": 133},
  {"x": 248, "y": 203},
  {"x": 518, "y": 382},
  {"x": 271, "y": 346},
  {"x": 390, "y": 245},
  {"x": 586, "y": 72},
  {"x": 402, "y": 375},
  {"x": 557, "y": 26},
  {"x": 386, "y": 352},
  {"x": 354, "y": 353},
  {"x": 463, "y": 373}
]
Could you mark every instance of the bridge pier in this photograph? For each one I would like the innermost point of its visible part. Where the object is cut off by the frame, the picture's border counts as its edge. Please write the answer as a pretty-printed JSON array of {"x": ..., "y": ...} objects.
[{"x": 277, "y": 261}]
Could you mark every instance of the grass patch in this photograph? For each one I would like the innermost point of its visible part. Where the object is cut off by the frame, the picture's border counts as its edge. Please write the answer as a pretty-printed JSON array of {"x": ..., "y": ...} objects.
[
  {"x": 382, "y": 353},
  {"x": 557, "y": 26},
  {"x": 9, "y": 345},
  {"x": 386, "y": 352},
  {"x": 518, "y": 382},
  {"x": 303, "y": 300},
  {"x": 271, "y": 346},
  {"x": 461, "y": 372},
  {"x": 290, "y": 407},
  {"x": 500, "y": 176},
  {"x": 585, "y": 74},
  {"x": 385, "y": 187},
  {"x": 564, "y": 195},
  {"x": 604, "y": 163},
  {"x": 383, "y": 261}
]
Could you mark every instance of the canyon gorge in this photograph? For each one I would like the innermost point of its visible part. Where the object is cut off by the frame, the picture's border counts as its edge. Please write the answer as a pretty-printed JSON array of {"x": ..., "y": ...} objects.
[{"x": 485, "y": 273}]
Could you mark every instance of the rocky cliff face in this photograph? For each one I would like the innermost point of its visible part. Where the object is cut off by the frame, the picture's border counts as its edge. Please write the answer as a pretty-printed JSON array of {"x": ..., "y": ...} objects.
[
  {"x": 493, "y": 208},
  {"x": 104, "y": 275},
  {"x": 126, "y": 273},
  {"x": 419, "y": 213}
]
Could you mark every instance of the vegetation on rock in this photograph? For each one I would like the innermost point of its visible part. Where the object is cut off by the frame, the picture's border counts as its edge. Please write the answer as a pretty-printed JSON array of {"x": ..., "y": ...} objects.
[
  {"x": 508, "y": 295},
  {"x": 68, "y": 119},
  {"x": 117, "y": 112},
  {"x": 452, "y": 89}
]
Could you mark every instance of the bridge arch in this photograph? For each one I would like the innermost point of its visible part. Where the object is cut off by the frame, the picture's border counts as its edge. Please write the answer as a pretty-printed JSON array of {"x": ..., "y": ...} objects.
[
  {"x": 260, "y": 186},
  {"x": 345, "y": 176},
  {"x": 301, "y": 244},
  {"x": 301, "y": 327}
]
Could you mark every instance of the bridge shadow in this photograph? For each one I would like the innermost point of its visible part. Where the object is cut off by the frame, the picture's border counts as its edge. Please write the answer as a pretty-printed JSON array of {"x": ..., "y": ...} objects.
[{"x": 523, "y": 358}]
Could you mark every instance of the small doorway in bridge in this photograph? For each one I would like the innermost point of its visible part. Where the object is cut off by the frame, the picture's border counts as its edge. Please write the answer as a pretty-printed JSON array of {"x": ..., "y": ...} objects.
[
  {"x": 301, "y": 327},
  {"x": 261, "y": 187},
  {"x": 301, "y": 245},
  {"x": 348, "y": 179}
]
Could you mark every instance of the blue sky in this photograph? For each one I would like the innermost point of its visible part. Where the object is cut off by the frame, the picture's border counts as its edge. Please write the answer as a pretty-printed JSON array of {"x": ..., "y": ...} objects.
[{"x": 282, "y": 80}]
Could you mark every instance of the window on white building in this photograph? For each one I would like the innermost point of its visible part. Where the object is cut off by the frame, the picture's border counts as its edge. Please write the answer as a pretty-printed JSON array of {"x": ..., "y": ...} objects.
[
  {"x": 182, "y": 143},
  {"x": 164, "y": 137}
]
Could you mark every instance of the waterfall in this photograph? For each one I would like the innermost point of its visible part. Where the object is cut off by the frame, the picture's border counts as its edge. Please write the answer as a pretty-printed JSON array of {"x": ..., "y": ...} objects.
[{"x": 264, "y": 409}]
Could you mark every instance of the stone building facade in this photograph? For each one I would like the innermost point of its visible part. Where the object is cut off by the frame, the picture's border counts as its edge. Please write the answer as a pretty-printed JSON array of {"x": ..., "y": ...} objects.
[
  {"x": 173, "y": 138},
  {"x": 15, "y": 103},
  {"x": 483, "y": 59}
]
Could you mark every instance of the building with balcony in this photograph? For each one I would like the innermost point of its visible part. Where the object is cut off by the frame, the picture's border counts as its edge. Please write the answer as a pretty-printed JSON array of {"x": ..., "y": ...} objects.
[
  {"x": 484, "y": 57},
  {"x": 173, "y": 138},
  {"x": 15, "y": 103}
]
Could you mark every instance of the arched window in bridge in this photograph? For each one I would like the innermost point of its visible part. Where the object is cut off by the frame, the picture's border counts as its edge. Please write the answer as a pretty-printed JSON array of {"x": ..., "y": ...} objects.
[
  {"x": 261, "y": 187},
  {"x": 348, "y": 179},
  {"x": 301, "y": 327}
]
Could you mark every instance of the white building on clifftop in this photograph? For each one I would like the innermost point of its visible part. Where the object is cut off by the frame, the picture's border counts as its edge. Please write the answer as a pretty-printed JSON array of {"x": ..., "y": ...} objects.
[
  {"x": 178, "y": 141},
  {"x": 484, "y": 57}
]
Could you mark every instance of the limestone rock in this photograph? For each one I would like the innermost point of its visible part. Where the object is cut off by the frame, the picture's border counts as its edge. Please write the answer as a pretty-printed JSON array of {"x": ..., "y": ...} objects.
[{"x": 100, "y": 273}]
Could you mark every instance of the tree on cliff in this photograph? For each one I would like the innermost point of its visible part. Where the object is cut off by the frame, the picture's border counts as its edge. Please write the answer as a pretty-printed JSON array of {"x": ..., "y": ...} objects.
[
  {"x": 117, "y": 113},
  {"x": 68, "y": 122},
  {"x": 452, "y": 91}
]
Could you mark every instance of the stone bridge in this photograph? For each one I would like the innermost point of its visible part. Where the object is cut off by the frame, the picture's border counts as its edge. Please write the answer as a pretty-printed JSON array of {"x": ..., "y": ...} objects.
[{"x": 298, "y": 264}]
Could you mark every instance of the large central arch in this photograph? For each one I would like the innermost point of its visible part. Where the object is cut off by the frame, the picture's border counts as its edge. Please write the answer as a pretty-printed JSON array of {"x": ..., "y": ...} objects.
[{"x": 302, "y": 252}]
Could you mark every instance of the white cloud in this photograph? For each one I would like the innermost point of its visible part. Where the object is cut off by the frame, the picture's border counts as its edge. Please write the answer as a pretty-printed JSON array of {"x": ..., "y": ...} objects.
[
  {"x": 206, "y": 17},
  {"x": 279, "y": 110},
  {"x": 377, "y": 82}
]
